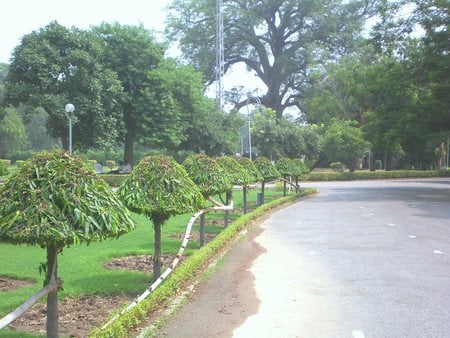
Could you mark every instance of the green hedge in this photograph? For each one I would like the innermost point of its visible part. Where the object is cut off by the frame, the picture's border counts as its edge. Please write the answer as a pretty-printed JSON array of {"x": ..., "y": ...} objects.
[
  {"x": 367, "y": 175},
  {"x": 186, "y": 273}
]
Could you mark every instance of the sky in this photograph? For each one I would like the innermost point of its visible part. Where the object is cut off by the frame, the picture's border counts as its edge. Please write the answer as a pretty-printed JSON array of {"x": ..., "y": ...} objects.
[{"x": 20, "y": 17}]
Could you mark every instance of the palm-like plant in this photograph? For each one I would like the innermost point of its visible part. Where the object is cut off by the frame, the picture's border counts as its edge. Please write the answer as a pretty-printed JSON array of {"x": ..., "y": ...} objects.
[
  {"x": 209, "y": 177},
  {"x": 56, "y": 200},
  {"x": 159, "y": 188},
  {"x": 268, "y": 171},
  {"x": 255, "y": 176}
]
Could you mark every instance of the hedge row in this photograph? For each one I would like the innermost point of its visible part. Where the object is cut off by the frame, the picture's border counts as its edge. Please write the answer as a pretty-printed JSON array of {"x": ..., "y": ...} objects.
[
  {"x": 367, "y": 175},
  {"x": 186, "y": 273}
]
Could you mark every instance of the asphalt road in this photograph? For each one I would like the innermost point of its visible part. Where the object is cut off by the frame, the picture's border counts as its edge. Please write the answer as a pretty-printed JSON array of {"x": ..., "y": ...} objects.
[{"x": 360, "y": 259}]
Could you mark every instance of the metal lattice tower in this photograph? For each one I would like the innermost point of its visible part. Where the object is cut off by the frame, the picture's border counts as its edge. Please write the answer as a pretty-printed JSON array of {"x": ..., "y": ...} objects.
[{"x": 220, "y": 62}]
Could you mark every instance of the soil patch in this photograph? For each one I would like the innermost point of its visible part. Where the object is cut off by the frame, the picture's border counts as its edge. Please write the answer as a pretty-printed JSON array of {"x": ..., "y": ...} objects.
[
  {"x": 195, "y": 236},
  {"x": 9, "y": 284},
  {"x": 77, "y": 316},
  {"x": 142, "y": 263}
]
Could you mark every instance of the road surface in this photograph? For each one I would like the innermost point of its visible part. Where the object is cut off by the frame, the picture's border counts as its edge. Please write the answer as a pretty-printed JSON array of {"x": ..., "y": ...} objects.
[{"x": 360, "y": 259}]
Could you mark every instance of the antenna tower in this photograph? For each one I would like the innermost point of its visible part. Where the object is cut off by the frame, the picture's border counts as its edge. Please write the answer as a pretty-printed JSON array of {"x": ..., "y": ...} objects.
[{"x": 220, "y": 62}]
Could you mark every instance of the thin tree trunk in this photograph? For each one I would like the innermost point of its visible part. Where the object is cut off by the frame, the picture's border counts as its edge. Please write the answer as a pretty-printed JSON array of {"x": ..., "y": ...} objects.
[
  {"x": 157, "y": 253},
  {"x": 284, "y": 186},
  {"x": 244, "y": 196},
  {"x": 202, "y": 229},
  {"x": 262, "y": 191},
  {"x": 52, "y": 297},
  {"x": 228, "y": 198}
]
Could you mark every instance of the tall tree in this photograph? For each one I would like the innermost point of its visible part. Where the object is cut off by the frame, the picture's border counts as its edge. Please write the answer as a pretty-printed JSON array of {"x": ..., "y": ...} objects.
[
  {"x": 57, "y": 65},
  {"x": 132, "y": 53},
  {"x": 279, "y": 40}
]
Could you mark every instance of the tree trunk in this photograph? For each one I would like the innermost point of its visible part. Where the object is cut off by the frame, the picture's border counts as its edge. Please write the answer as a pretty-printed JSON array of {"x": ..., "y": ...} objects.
[
  {"x": 284, "y": 186},
  {"x": 52, "y": 297},
  {"x": 128, "y": 155},
  {"x": 202, "y": 229},
  {"x": 65, "y": 138},
  {"x": 157, "y": 253},
  {"x": 244, "y": 197},
  {"x": 297, "y": 186},
  {"x": 228, "y": 198},
  {"x": 262, "y": 192}
]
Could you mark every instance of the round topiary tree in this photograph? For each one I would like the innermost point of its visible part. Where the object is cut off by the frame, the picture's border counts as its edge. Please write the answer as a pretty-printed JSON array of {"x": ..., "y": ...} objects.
[
  {"x": 300, "y": 168},
  {"x": 255, "y": 176},
  {"x": 159, "y": 188},
  {"x": 286, "y": 168},
  {"x": 237, "y": 176},
  {"x": 268, "y": 171},
  {"x": 209, "y": 177},
  {"x": 55, "y": 200}
]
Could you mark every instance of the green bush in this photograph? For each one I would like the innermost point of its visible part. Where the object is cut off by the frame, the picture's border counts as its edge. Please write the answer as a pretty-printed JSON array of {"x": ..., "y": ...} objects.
[
  {"x": 20, "y": 163},
  {"x": 367, "y": 175},
  {"x": 378, "y": 165},
  {"x": 3, "y": 169},
  {"x": 337, "y": 166}
]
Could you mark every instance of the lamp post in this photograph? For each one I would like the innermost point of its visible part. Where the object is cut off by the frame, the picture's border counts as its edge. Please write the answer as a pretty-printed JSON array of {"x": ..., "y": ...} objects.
[
  {"x": 70, "y": 108},
  {"x": 258, "y": 102}
]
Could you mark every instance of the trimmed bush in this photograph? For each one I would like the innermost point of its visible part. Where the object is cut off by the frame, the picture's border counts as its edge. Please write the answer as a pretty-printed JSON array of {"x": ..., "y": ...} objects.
[{"x": 337, "y": 166}]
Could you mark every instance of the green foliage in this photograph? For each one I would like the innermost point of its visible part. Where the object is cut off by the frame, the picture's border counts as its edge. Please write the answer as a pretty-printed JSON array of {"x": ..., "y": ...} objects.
[
  {"x": 344, "y": 142},
  {"x": 300, "y": 168},
  {"x": 236, "y": 173},
  {"x": 337, "y": 166},
  {"x": 366, "y": 175},
  {"x": 207, "y": 174},
  {"x": 12, "y": 133},
  {"x": 285, "y": 138},
  {"x": 159, "y": 188},
  {"x": 285, "y": 167},
  {"x": 4, "y": 168},
  {"x": 56, "y": 65},
  {"x": 254, "y": 173},
  {"x": 57, "y": 200},
  {"x": 268, "y": 171}
]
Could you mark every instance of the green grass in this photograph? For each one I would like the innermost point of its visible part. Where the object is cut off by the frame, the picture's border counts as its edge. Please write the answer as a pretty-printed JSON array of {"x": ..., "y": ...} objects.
[{"x": 81, "y": 267}]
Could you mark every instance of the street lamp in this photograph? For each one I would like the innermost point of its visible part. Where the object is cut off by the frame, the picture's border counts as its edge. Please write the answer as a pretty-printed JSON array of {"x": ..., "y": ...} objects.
[
  {"x": 70, "y": 108},
  {"x": 258, "y": 102}
]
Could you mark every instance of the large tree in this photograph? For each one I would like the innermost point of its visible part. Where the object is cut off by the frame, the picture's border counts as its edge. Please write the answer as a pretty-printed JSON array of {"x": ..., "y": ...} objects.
[
  {"x": 132, "y": 52},
  {"x": 278, "y": 40},
  {"x": 56, "y": 65}
]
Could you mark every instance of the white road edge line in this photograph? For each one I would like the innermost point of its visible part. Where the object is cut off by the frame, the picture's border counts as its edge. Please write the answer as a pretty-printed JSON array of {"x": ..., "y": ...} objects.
[{"x": 358, "y": 334}]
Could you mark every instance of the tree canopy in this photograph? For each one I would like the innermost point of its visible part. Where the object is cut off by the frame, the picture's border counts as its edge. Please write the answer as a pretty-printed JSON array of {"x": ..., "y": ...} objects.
[
  {"x": 56, "y": 65},
  {"x": 279, "y": 40},
  {"x": 57, "y": 200}
]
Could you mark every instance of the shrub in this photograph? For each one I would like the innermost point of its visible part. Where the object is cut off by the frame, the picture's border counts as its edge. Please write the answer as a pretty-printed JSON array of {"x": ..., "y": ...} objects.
[
  {"x": 3, "y": 169},
  {"x": 337, "y": 166}
]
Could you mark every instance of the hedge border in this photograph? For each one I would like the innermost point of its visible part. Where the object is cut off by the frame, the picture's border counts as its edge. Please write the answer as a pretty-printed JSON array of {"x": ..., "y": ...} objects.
[
  {"x": 187, "y": 272},
  {"x": 370, "y": 175}
]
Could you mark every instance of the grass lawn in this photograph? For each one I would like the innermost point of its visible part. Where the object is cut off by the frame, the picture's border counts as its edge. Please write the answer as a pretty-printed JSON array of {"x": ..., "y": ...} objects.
[{"x": 81, "y": 267}]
